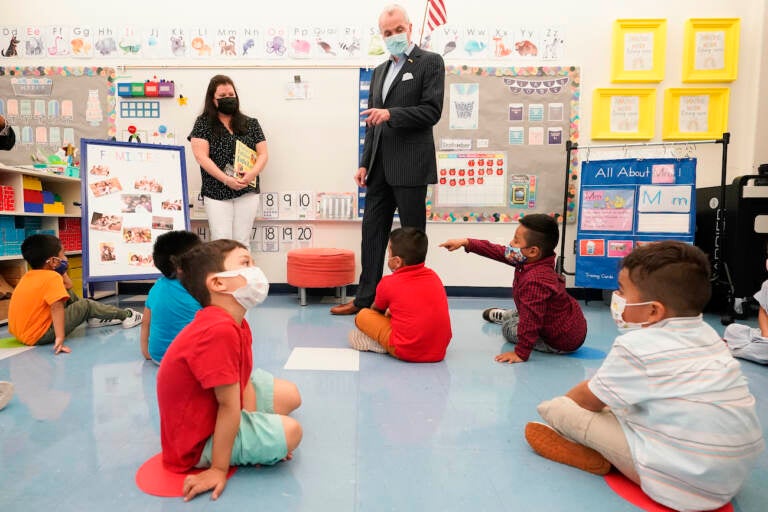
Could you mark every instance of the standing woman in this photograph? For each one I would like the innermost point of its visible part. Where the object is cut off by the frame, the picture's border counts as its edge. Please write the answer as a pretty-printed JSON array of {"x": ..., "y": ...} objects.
[{"x": 230, "y": 202}]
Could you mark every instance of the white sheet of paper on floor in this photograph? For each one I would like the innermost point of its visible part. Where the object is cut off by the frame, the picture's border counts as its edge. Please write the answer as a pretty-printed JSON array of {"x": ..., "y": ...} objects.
[
  {"x": 9, "y": 352},
  {"x": 329, "y": 359}
]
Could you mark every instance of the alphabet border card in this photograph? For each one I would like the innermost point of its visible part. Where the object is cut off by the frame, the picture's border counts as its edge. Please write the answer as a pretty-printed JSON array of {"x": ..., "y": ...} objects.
[
  {"x": 711, "y": 50},
  {"x": 695, "y": 113},
  {"x": 639, "y": 50},
  {"x": 623, "y": 113}
]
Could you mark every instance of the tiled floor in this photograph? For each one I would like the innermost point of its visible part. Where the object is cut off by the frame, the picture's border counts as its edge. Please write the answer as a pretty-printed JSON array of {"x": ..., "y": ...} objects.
[{"x": 391, "y": 436}]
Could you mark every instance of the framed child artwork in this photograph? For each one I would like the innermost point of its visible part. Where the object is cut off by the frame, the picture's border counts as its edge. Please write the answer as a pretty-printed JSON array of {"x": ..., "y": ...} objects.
[
  {"x": 695, "y": 113},
  {"x": 711, "y": 50},
  {"x": 623, "y": 113},
  {"x": 639, "y": 47}
]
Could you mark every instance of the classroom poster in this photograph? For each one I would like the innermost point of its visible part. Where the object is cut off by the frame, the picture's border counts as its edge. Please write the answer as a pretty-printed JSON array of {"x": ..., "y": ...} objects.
[
  {"x": 500, "y": 142},
  {"x": 132, "y": 193},
  {"x": 628, "y": 202},
  {"x": 51, "y": 107},
  {"x": 638, "y": 51},
  {"x": 710, "y": 50},
  {"x": 694, "y": 114}
]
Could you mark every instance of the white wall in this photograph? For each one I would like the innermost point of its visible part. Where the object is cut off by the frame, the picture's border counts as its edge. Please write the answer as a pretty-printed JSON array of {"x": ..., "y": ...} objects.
[{"x": 588, "y": 31}]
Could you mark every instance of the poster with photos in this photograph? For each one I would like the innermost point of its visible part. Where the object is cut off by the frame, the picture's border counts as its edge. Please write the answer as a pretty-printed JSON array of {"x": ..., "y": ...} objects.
[{"x": 132, "y": 193}]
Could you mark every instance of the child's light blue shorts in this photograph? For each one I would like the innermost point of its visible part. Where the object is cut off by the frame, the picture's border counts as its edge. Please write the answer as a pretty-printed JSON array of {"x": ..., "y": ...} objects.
[{"x": 261, "y": 437}]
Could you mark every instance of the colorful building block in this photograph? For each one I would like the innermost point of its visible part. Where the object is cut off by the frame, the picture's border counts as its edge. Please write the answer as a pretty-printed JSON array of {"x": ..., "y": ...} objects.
[{"x": 32, "y": 183}]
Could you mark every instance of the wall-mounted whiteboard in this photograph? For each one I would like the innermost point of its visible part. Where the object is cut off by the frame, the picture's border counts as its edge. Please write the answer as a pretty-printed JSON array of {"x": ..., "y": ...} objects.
[
  {"x": 311, "y": 140},
  {"x": 132, "y": 193}
]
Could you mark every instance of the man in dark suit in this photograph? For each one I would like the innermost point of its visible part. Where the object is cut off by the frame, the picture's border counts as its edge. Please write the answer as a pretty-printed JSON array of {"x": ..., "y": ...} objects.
[
  {"x": 398, "y": 162},
  {"x": 7, "y": 135}
]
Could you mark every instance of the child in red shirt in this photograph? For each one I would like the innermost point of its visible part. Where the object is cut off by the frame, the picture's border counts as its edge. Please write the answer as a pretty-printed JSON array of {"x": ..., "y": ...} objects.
[
  {"x": 546, "y": 318},
  {"x": 409, "y": 317},
  {"x": 214, "y": 411}
]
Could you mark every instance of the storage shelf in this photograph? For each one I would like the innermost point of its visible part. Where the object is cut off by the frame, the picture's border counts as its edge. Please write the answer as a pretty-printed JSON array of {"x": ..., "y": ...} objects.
[
  {"x": 38, "y": 174},
  {"x": 32, "y": 214}
]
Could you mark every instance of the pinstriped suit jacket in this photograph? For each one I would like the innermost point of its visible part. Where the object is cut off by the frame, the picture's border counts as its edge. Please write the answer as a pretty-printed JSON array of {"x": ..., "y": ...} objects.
[{"x": 405, "y": 144}]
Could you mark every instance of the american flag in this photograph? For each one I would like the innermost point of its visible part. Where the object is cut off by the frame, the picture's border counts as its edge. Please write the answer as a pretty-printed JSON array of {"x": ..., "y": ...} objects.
[{"x": 436, "y": 14}]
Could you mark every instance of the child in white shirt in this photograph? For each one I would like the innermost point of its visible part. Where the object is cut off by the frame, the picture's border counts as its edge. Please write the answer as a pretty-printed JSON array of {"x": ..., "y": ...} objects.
[{"x": 669, "y": 407}]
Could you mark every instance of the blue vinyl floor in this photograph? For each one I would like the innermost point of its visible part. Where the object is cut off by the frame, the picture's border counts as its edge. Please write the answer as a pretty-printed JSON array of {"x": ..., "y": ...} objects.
[{"x": 392, "y": 436}]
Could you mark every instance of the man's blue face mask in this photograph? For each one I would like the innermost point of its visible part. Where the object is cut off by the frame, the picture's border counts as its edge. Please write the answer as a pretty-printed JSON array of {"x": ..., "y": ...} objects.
[{"x": 397, "y": 44}]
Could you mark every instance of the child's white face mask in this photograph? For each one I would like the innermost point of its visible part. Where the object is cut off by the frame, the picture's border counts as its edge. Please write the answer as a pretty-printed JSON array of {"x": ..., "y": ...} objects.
[
  {"x": 618, "y": 303},
  {"x": 256, "y": 286}
]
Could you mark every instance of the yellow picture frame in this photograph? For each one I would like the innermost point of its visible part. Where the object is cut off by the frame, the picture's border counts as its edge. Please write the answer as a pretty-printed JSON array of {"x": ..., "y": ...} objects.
[
  {"x": 695, "y": 113},
  {"x": 639, "y": 50},
  {"x": 623, "y": 114},
  {"x": 711, "y": 50}
]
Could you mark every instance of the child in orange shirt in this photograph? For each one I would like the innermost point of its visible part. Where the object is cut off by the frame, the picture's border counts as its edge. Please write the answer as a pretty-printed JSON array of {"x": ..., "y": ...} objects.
[{"x": 43, "y": 308}]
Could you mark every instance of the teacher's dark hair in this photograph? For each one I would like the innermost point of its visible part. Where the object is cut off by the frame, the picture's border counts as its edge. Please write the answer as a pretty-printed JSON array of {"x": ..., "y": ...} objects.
[{"x": 239, "y": 120}]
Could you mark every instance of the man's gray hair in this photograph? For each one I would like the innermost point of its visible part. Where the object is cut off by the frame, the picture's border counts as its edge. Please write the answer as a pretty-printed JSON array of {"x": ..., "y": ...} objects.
[{"x": 391, "y": 8}]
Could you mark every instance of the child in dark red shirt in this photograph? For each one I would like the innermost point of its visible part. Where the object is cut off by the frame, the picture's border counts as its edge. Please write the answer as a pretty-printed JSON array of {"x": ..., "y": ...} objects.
[
  {"x": 409, "y": 317},
  {"x": 215, "y": 409},
  {"x": 546, "y": 318}
]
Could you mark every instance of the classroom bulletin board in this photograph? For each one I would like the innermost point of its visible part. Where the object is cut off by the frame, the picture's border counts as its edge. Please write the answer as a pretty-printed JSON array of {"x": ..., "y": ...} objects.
[
  {"x": 52, "y": 106},
  {"x": 628, "y": 202},
  {"x": 500, "y": 142},
  {"x": 132, "y": 193}
]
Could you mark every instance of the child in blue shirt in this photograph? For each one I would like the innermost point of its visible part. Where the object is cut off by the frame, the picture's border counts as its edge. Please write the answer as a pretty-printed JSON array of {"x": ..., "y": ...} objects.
[{"x": 169, "y": 306}]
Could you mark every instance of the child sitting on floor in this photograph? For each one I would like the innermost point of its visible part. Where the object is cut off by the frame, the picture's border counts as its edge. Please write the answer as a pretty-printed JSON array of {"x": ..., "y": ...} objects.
[
  {"x": 215, "y": 412},
  {"x": 746, "y": 342},
  {"x": 409, "y": 317},
  {"x": 669, "y": 407},
  {"x": 546, "y": 318},
  {"x": 44, "y": 309},
  {"x": 169, "y": 306}
]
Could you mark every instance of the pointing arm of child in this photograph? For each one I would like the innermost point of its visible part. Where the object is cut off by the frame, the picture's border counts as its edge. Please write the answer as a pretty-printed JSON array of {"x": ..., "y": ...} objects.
[{"x": 455, "y": 243}]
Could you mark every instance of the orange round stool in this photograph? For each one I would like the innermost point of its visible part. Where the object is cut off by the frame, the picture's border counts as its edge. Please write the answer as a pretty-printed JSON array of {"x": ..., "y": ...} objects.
[{"x": 318, "y": 267}]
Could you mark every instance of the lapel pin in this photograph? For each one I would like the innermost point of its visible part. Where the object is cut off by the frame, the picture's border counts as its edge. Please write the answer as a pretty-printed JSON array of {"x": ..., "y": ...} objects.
[{"x": 410, "y": 60}]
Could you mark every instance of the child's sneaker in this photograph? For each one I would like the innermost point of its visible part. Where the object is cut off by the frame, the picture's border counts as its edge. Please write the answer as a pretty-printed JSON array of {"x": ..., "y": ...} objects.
[
  {"x": 361, "y": 341},
  {"x": 103, "y": 322},
  {"x": 6, "y": 393},
  {"x": 494, "y": 315},
  {"x": 133, "y": 320},
  {"x": 548, "y": 443}
]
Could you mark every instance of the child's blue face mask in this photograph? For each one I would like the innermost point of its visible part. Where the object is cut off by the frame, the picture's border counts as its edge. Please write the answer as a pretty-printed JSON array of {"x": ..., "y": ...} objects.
[
  {"x": 515, "y": 255},
  {"x": 62, "y": 267}
]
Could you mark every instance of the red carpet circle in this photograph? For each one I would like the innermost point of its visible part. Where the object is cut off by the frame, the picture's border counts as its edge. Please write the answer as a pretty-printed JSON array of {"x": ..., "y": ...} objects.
[
  {"x": 632, "y": 492},
  {"x": 154, "y": 479}
]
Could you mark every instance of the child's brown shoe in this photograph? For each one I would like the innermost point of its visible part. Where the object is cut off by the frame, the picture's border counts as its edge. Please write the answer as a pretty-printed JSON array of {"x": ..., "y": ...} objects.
[{"x": 549, "y": 444}]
